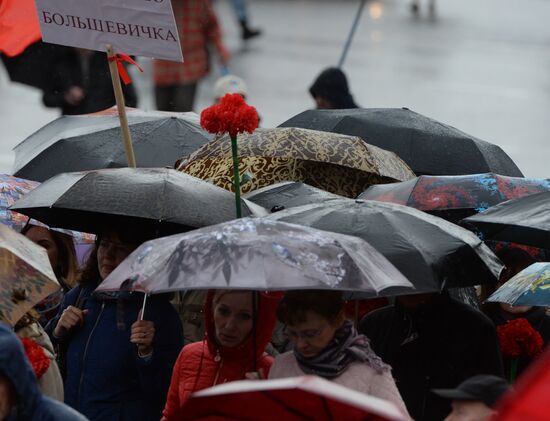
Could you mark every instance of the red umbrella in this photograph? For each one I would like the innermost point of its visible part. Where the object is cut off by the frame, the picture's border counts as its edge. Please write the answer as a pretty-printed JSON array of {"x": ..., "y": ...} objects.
[
  {"x": 296, "y": 398},
  {"x": 19, "y": 26},
  {"x": 532, "y": 391}
]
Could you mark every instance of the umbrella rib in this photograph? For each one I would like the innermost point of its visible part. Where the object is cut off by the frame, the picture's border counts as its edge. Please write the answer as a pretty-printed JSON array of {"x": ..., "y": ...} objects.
[
  {"x": 327, "y": 408},
  {"x": 287, "y": 407}
]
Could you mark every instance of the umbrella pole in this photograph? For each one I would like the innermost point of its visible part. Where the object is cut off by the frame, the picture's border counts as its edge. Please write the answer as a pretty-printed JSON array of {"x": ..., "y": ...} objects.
[
  {"x": 121, "y": 107},
  {"x": 143, "y": 306},
  {"x": 351, "y": 33},
  {"x": 236, "y": 176}
]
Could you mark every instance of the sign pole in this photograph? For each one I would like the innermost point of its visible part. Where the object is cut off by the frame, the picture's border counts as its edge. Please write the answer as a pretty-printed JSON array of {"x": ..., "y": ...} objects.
[{"x": 121, "y": 107}]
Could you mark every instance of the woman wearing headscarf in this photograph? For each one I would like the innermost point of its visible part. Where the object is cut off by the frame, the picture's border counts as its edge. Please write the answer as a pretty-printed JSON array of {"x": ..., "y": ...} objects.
[{"x": 232, "y": 349}]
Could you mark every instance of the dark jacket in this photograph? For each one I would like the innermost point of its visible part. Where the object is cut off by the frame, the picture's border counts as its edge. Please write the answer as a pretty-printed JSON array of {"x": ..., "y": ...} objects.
[
  {"x": 31, "y": 404},
  {"x": 92, "y": 75},
  {"x": 443, "y": 343},
  {"x": 539, "y": 320},
  {"x": 105, "y": 379}
]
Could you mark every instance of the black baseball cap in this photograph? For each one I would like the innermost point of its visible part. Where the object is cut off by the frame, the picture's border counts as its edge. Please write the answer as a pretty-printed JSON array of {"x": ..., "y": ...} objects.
[{"x": 485, "y": 388}]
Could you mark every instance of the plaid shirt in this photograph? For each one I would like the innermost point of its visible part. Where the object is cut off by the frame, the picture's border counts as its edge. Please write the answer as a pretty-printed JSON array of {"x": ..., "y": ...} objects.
[{"x": 197, "y": 26}]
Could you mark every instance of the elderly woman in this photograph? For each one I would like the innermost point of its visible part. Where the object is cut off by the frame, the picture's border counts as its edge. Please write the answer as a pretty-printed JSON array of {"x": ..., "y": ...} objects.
[
  {"x": 327, "y": 345},
  {"x": 227, "y": 352},
  {"x": 117, "y": 366}
]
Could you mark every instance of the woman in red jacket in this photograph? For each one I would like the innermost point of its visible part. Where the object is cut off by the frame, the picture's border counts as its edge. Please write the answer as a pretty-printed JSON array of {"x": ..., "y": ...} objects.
[{"x": 227, "y": 352}]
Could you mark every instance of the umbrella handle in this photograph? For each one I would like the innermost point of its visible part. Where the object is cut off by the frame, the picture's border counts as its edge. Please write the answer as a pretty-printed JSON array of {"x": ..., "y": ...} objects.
[{"x": 143, "y": 307}]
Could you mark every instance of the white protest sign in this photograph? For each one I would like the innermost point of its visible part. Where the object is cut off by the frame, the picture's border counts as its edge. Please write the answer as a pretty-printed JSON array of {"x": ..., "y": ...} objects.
[{"x": 134, "y": 27}]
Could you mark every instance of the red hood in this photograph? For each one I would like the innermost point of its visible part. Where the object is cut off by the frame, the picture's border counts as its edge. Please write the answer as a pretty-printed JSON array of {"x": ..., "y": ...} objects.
[{"x": 267, "y": 316}]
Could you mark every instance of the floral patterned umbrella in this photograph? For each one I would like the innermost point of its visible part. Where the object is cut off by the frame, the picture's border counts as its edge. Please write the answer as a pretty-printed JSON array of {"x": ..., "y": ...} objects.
[
  {"x": 26, "y": 276},
  {"x": 340, "y": 164},
  {"x": 11, "y": 189},
  {"x": 530, "y": 287},
  {"x": 456, "y": 197}
]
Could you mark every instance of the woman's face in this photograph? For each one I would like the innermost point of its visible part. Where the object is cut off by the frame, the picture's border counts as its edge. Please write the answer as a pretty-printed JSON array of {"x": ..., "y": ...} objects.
[
  {"x": 43, "y": 237},
  {"x": 233, "y": 318},
  {"x": 111, "y": 252},
  {"x": 313, "y": 335}
]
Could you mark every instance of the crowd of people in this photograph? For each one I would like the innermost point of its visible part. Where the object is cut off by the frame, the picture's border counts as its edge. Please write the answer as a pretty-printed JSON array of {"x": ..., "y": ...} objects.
[
  {"x": 108, "y": 357},
  {"x": 109, "y": 361}
]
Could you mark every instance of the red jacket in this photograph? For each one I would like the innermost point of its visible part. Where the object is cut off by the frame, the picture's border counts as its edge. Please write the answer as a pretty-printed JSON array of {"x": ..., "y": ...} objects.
[{"x": 204, "y": 364}]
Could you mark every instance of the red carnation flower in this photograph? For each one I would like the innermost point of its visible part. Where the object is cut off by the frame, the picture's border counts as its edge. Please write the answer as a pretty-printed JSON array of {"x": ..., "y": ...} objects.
[
  {"x": 231, "y": 115},
  {"x": 518, "y": 338},
  {"x": 36, "y": 356}
]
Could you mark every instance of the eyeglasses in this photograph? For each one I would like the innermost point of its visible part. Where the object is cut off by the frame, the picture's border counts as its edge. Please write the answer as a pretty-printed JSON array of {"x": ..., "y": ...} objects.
[{"x": 306, "y": 335}]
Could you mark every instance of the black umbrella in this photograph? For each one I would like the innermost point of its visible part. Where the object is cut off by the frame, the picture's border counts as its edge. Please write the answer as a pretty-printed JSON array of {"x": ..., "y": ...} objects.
[
  {"x": 288, "y": 195},
  {"x": 427, "y": 146},
  {"x": 525, "y": 220},
  {"x": 431, "y": 252},
  {"x": 158, "y": 198},
  {"x": 92, "y": 141}
]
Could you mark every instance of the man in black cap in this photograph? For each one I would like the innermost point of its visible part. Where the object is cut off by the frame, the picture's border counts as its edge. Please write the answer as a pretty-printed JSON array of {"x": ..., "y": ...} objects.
[{"x": 475, "y": 398}]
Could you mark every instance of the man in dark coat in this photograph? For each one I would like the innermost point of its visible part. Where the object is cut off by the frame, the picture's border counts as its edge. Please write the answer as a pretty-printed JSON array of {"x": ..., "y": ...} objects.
[
  {"x": 20, "y": 396},
  {"x": 432, "y": 342},
  {"x": 81, "y": 82}
]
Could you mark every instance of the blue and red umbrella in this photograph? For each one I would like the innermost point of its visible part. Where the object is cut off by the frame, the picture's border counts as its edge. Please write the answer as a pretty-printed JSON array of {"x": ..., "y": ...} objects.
[{"x": 456, "y": 197}]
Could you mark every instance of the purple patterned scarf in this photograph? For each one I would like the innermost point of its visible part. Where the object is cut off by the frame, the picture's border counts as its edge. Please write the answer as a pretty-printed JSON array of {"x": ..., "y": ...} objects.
[{"x": 346, "y": 347}]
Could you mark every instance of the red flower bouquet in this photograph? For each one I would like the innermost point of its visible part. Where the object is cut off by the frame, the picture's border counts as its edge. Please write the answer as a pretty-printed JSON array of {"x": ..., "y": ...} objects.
[
  {"x": 232, "y": 115},
  {"x": 37, "y": 357},
  {"x": 518, "y": 339}
]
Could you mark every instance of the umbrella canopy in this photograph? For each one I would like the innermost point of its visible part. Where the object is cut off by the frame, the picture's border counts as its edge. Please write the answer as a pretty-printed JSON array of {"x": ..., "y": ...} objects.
[
  {"x": 26, "y": 276},
  {"x": 456, "y": 197},
  {"x": 92, "y": 141},
  {"x": 525, "y": 220},
  {"x": 431, "y": 252},
  {"x": 291, "y": 399},
  {"x": 256, "y": 254},
  {"x": 11, "y": 189},
  {"x": 427, "y": 146},
  {"x": 529, "y": 401},
  {"x": 158, "y": 198},
  {"x": 339, "y": 164},
  {"x": 530, "y": 287},
  {"x": 288, "y": 194}
]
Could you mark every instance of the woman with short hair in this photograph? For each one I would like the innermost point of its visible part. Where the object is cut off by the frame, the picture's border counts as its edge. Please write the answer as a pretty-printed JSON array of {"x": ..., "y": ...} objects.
[{"x": 328, "y": 345}]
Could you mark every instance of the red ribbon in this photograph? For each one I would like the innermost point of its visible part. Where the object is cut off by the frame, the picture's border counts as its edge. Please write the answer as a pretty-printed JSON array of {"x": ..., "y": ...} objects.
[{"x": 121, "y": 58}]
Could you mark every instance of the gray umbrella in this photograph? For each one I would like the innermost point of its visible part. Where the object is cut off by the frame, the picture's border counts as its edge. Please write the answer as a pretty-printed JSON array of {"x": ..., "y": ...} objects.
[
  {"x": 431, "y": 252},
  {"x": 256, "y": 254},
  {"x": 288, "y": 194},
  {"x": 525, "y": 220},
  {"x": 92, "y": 141},
  {"x": 426, "y": 145},
  {"x": 154, "y": 197}
]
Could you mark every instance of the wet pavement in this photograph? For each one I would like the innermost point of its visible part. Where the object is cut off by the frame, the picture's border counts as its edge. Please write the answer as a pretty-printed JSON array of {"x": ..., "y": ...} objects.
[{"x": 483, "y": 67}]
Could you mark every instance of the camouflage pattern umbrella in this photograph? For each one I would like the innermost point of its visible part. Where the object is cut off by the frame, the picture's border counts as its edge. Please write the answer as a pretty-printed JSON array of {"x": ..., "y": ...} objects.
[
  {"x": 26, "y": 276},
  {"x": 340, "y": 164}
]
